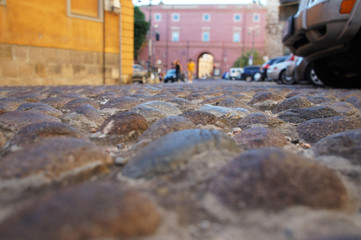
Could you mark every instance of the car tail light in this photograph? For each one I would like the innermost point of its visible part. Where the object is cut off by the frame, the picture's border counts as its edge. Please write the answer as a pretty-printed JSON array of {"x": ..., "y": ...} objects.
[{"x": 346, "y": 6}]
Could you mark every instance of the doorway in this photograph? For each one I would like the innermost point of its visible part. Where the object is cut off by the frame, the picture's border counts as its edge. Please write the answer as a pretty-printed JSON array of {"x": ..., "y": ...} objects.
[{"x": 205, "y": 65}]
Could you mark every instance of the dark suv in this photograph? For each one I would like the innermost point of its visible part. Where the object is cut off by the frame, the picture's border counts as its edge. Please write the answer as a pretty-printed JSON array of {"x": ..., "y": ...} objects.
[
  {"x": 249, "y": 72},
  {"x": 327, "y": 33}
]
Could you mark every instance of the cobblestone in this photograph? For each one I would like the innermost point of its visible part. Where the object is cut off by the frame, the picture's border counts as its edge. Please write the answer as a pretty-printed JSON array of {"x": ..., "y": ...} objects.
[{"x": 180, "y": 161}]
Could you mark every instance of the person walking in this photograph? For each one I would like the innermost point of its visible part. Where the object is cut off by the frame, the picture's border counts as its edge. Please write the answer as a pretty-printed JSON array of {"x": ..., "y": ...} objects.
[
  {"x": 190, "y": 67},
  {"x": 178, "y": 70}
]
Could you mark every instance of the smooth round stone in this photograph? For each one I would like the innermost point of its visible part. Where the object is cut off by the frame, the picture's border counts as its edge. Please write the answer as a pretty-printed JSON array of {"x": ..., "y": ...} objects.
[
  {"x": 183, "y": 104},
  {"x": 173, "y": 150},
  {"x": 88, "y": 211},
  {"x": 78, "y": 102},
  {"x": 344, "y": 144},
  {"x": 2, "y": 140},
  {"x": 215, "y": 100},
  {"x": 259, "y": 119},
  {"x": 56, "y": 102},
  {"x": 84, "y": 118},
  {"x": 121, "y": 127},
  {"x": 344, "y": 108},
  {"x": 10, "y": 104},
  {"x": 259, "y": 137},
  {"x": 37, "y": 132},
  {"x": 356, "y": 101},
  {"x": 14, "y": 121},
  {"x": 264, "y": 96},
  {"x": 275, "y": 179},
  {"x": 316, "y": 129},
  {"x": 204, "y": 118},
  {"x": 122, "y": 103},
  {"x": 321, "y": 99},
  {"x": 40, "y": 108},
  {"x": 231, "y": 113},
  {"x": 304, "y": 114},
  {"x": 167, "y": 108},
  {"x": 150, "y": 114},
  {"x": 293, "y": 103},
  {"x": 167, "y": 125},
  {"x": 53, "y": 161}
]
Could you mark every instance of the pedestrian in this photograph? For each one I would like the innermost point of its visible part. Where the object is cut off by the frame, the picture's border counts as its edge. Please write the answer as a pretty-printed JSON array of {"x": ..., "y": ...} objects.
[
  {"x": 190, "y": 67},
  {"x": 178, "y": 70}
]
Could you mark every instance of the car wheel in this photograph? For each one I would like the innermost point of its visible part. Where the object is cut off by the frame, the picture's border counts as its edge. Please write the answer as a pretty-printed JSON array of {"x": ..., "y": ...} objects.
[
  {"x": 337, "y": 73},
  {"x": 289, "y": 80},
  {"x": 249, "y": 78},
  {"x": 144, "y": 80},
  {"x": 282, "y": 77},
  {"x": 312, "y": 77},
  {"x": 232, "y": 78}
]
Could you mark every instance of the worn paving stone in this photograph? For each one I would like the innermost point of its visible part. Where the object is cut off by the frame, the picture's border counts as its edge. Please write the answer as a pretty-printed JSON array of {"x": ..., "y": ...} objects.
[
  {"x": 84, "y": 118},
  {"x": 274, "y": 179},
  {"x": 259, "y": 137},
  {"x": 183, "y": 104},
  {"x": 166, "y": 125},
  {"x": 78, "y": 102},
  {"x": 56, "y": 160},
  {"x": 293, "y": 103},
  {"x": 344, "y": 144},
  {"x": 304, "y": 114},
  {"x": 121, "y": 127},
  {"x": 173, "y": 150},
  {"x": 37, "y": 132},
  {"x": 152, "y": 139},
  {"x": 204, "y": 118},
  {"x": 124, "y": 103},
  {"x": 40, "y": 108},
  {"x": 13, "y": 121},
  {"x": 56, "y": 102},
  {"x": 259, "y": 119},
  {"x": 266, "y": 100},
  {"x": 89, "y": 211},
  {"x": 314, "y": 130}
]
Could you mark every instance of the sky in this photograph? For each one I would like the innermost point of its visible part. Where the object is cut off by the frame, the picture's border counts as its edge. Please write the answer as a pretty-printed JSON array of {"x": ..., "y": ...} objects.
[{"x": 142, "y": 2}]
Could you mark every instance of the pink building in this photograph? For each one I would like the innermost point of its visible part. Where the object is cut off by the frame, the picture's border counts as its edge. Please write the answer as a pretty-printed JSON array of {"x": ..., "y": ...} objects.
[{"x": 192, "y": 31}]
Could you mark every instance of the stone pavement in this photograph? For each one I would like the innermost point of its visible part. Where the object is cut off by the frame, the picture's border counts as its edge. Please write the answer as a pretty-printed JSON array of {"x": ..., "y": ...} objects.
[{"x": 216, "y": 160}]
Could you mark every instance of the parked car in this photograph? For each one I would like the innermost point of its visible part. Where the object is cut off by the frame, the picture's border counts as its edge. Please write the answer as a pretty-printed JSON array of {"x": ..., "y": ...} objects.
[
  {"x": 235, "y": 73},
  {"x": 139, "y": 74},
  {"x": 267, "y": 64},
  {"x": 249, "y": 73},
  {"x": 302, "y": 71},
  {"x": 225, "y": 75},
  {"x": 170, "y": 76},
  {"x": 327, "y": 34},
  {"x": 277, "y": 71}
]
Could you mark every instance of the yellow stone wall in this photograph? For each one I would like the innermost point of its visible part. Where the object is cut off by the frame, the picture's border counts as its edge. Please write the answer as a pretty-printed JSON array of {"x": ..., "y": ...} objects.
[{"x": 41, "y": 44}]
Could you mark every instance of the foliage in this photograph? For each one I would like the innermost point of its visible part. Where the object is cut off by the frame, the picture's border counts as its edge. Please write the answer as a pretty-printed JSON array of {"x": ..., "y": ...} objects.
[
  {"x": 243, "y": 60},
  {"x": 141, "y": 26}
]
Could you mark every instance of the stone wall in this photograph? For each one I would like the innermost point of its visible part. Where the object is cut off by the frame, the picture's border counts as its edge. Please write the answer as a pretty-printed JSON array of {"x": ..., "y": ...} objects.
[
  {"x": 274, "y": 28},
  {"x": 26, "y": 65}
]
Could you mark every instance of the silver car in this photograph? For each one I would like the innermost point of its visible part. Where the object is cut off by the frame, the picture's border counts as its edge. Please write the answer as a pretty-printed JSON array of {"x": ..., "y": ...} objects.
[{"x": 327, "y": 33}]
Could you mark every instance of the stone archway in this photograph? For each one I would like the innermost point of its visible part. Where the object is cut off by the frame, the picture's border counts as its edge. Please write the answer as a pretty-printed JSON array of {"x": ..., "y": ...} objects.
[{"x": 205, "y": 65}]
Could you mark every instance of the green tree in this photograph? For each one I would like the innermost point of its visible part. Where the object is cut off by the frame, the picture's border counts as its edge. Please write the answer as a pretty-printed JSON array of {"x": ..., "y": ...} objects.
[
  {"x": 141, "y": 26},
  {"x": 242, "y": 61}
]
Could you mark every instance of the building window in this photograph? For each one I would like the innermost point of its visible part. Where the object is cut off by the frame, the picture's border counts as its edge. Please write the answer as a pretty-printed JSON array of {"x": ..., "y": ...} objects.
[
  {"x": 175, "y": 17},
  {"x": 237, "y": 17},
  {"x": 236, "y": 37},
  {"x": 157, "y": 17},
  {"x": 175, "y": 36},
  {"x": 85, "y": 9},
  {"x": 205, "y": 36},
  {"x": 206, "y": 17},
  {"x": 256, "y": 17}
]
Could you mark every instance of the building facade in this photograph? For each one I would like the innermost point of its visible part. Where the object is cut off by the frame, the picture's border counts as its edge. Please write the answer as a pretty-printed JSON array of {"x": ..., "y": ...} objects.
[
  {"x": 64, "y": 42},
  {"x": 221, "y": 33}
]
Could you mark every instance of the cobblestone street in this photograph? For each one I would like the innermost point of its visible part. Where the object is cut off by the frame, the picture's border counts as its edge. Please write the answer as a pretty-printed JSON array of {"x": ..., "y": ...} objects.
[{"x": 215, "y": 160}]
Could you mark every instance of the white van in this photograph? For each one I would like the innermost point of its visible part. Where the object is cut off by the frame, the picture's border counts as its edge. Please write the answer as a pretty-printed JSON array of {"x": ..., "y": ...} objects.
[{"x": 235, "y": 73}]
